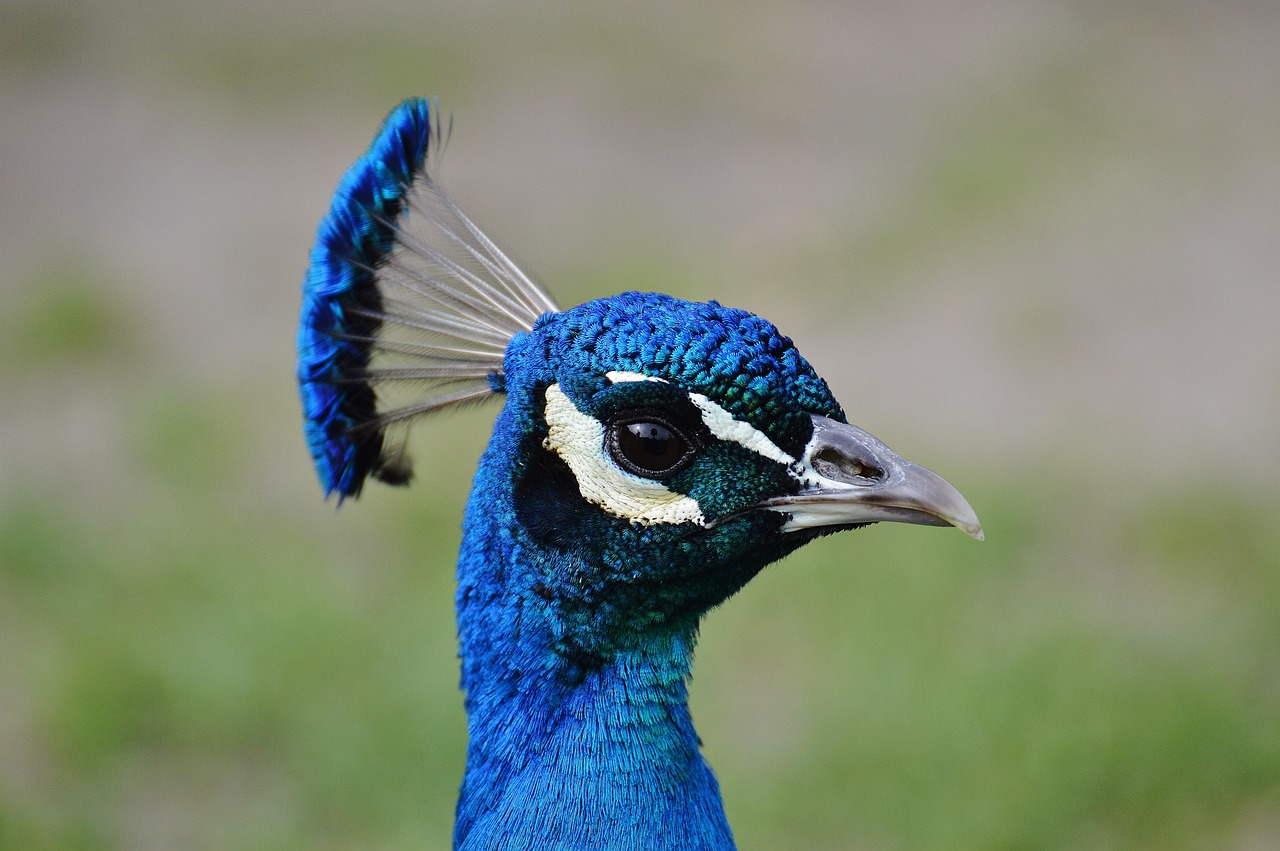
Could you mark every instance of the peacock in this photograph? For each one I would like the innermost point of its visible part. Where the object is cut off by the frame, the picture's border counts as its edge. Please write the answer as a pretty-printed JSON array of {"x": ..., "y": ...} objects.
[{"x": 651, "y": 455}]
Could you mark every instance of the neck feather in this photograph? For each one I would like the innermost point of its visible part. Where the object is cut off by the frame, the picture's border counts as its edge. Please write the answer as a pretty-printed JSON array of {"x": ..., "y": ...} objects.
[{"x": 566, "y": 749}]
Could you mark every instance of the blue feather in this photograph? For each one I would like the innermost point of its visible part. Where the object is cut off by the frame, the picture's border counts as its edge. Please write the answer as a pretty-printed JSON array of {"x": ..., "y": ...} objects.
[{"x": 339, "y": 297}]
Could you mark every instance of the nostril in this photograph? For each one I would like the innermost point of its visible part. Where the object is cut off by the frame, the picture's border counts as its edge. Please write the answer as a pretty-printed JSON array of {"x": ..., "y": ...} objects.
[{"x": 832, "y": 464}]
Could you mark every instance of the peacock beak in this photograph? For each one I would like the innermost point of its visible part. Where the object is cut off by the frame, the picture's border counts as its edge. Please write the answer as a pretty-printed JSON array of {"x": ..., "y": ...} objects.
[{"x": 852, "y": 478}]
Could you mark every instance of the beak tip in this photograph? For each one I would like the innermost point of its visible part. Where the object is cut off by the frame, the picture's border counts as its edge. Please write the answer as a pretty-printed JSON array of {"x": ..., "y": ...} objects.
[{"x": 966, "y": 521}]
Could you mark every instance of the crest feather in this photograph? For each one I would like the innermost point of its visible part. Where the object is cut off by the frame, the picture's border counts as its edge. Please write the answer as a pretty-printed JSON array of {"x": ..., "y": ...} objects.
[{"x": 407, "y": 307}]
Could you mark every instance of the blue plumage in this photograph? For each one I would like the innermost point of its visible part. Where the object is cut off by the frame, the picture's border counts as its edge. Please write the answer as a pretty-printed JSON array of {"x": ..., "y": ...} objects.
[
  {"x": 340, "y": 300},
  {"x": 651, "y": 456}
]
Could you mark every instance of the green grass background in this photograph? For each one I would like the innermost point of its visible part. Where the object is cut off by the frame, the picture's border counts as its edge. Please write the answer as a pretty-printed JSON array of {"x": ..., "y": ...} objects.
[{"x": 1030, "y": 246}]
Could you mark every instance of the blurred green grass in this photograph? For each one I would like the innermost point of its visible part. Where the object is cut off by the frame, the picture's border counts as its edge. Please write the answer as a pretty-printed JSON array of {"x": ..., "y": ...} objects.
[{"x": 65, "y": 311}]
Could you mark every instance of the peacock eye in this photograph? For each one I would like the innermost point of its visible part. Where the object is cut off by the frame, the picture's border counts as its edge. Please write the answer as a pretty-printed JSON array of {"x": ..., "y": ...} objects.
[{"x": 648, "y": 448}]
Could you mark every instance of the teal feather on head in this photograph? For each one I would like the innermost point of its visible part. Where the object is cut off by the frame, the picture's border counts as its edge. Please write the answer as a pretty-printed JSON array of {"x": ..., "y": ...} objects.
[{"x": 651, "y": 456}]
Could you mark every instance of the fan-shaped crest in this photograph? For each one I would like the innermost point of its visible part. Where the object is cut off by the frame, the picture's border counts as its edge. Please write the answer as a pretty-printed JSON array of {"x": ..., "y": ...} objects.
[{"x": 407, "y": 307}]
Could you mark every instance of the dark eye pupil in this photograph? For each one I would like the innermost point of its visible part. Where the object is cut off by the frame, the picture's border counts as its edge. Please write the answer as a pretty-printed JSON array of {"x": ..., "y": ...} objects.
[
  {"x": 653, "y": 440},
  {"x": 648, "y": 448}
]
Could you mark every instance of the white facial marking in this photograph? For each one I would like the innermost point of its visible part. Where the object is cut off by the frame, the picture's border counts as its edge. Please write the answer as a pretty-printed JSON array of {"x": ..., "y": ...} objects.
[
  {"x": 722, "y": 424},
  {"x": 624, "y": 377},
  {"x": 579, "y": 440}
]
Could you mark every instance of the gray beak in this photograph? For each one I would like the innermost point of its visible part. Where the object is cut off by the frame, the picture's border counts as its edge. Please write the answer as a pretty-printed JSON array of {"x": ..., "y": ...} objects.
[{"x": 851, "y": 477}]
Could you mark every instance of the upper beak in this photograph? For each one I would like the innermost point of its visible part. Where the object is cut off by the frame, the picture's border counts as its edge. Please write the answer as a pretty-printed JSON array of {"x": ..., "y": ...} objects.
[{"x": 851, "y": 477}]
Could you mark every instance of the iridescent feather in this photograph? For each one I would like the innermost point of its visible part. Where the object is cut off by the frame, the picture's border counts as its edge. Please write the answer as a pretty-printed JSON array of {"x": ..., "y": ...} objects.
[{"x": 407, "y": 308}]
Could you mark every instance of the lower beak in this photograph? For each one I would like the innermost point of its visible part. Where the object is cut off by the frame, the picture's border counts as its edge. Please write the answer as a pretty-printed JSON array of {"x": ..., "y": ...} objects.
[{"x": 852, "y": 478}]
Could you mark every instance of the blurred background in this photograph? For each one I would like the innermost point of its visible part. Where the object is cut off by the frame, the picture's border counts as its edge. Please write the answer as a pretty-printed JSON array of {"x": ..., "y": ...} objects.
[{"x": 1033, "y": 245}]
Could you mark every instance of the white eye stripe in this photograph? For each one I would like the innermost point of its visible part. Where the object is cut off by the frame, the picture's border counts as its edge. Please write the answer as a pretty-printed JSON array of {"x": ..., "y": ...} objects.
[
  {"x": 626, "y": 377},
  {"x": 579, "y": 440},
  {"x": 722, "y": 424}
]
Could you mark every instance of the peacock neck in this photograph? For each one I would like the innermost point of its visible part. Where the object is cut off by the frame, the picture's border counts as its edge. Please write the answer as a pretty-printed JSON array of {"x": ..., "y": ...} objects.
[
  {"x": 607, "y": 759},
  {"x": 570, "y": 746}
]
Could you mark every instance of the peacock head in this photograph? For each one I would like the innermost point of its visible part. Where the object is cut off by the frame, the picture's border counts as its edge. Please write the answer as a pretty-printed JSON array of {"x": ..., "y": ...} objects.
[
  {"x": 670, "y": 450},
  {"x": 653, "y": 454}
]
